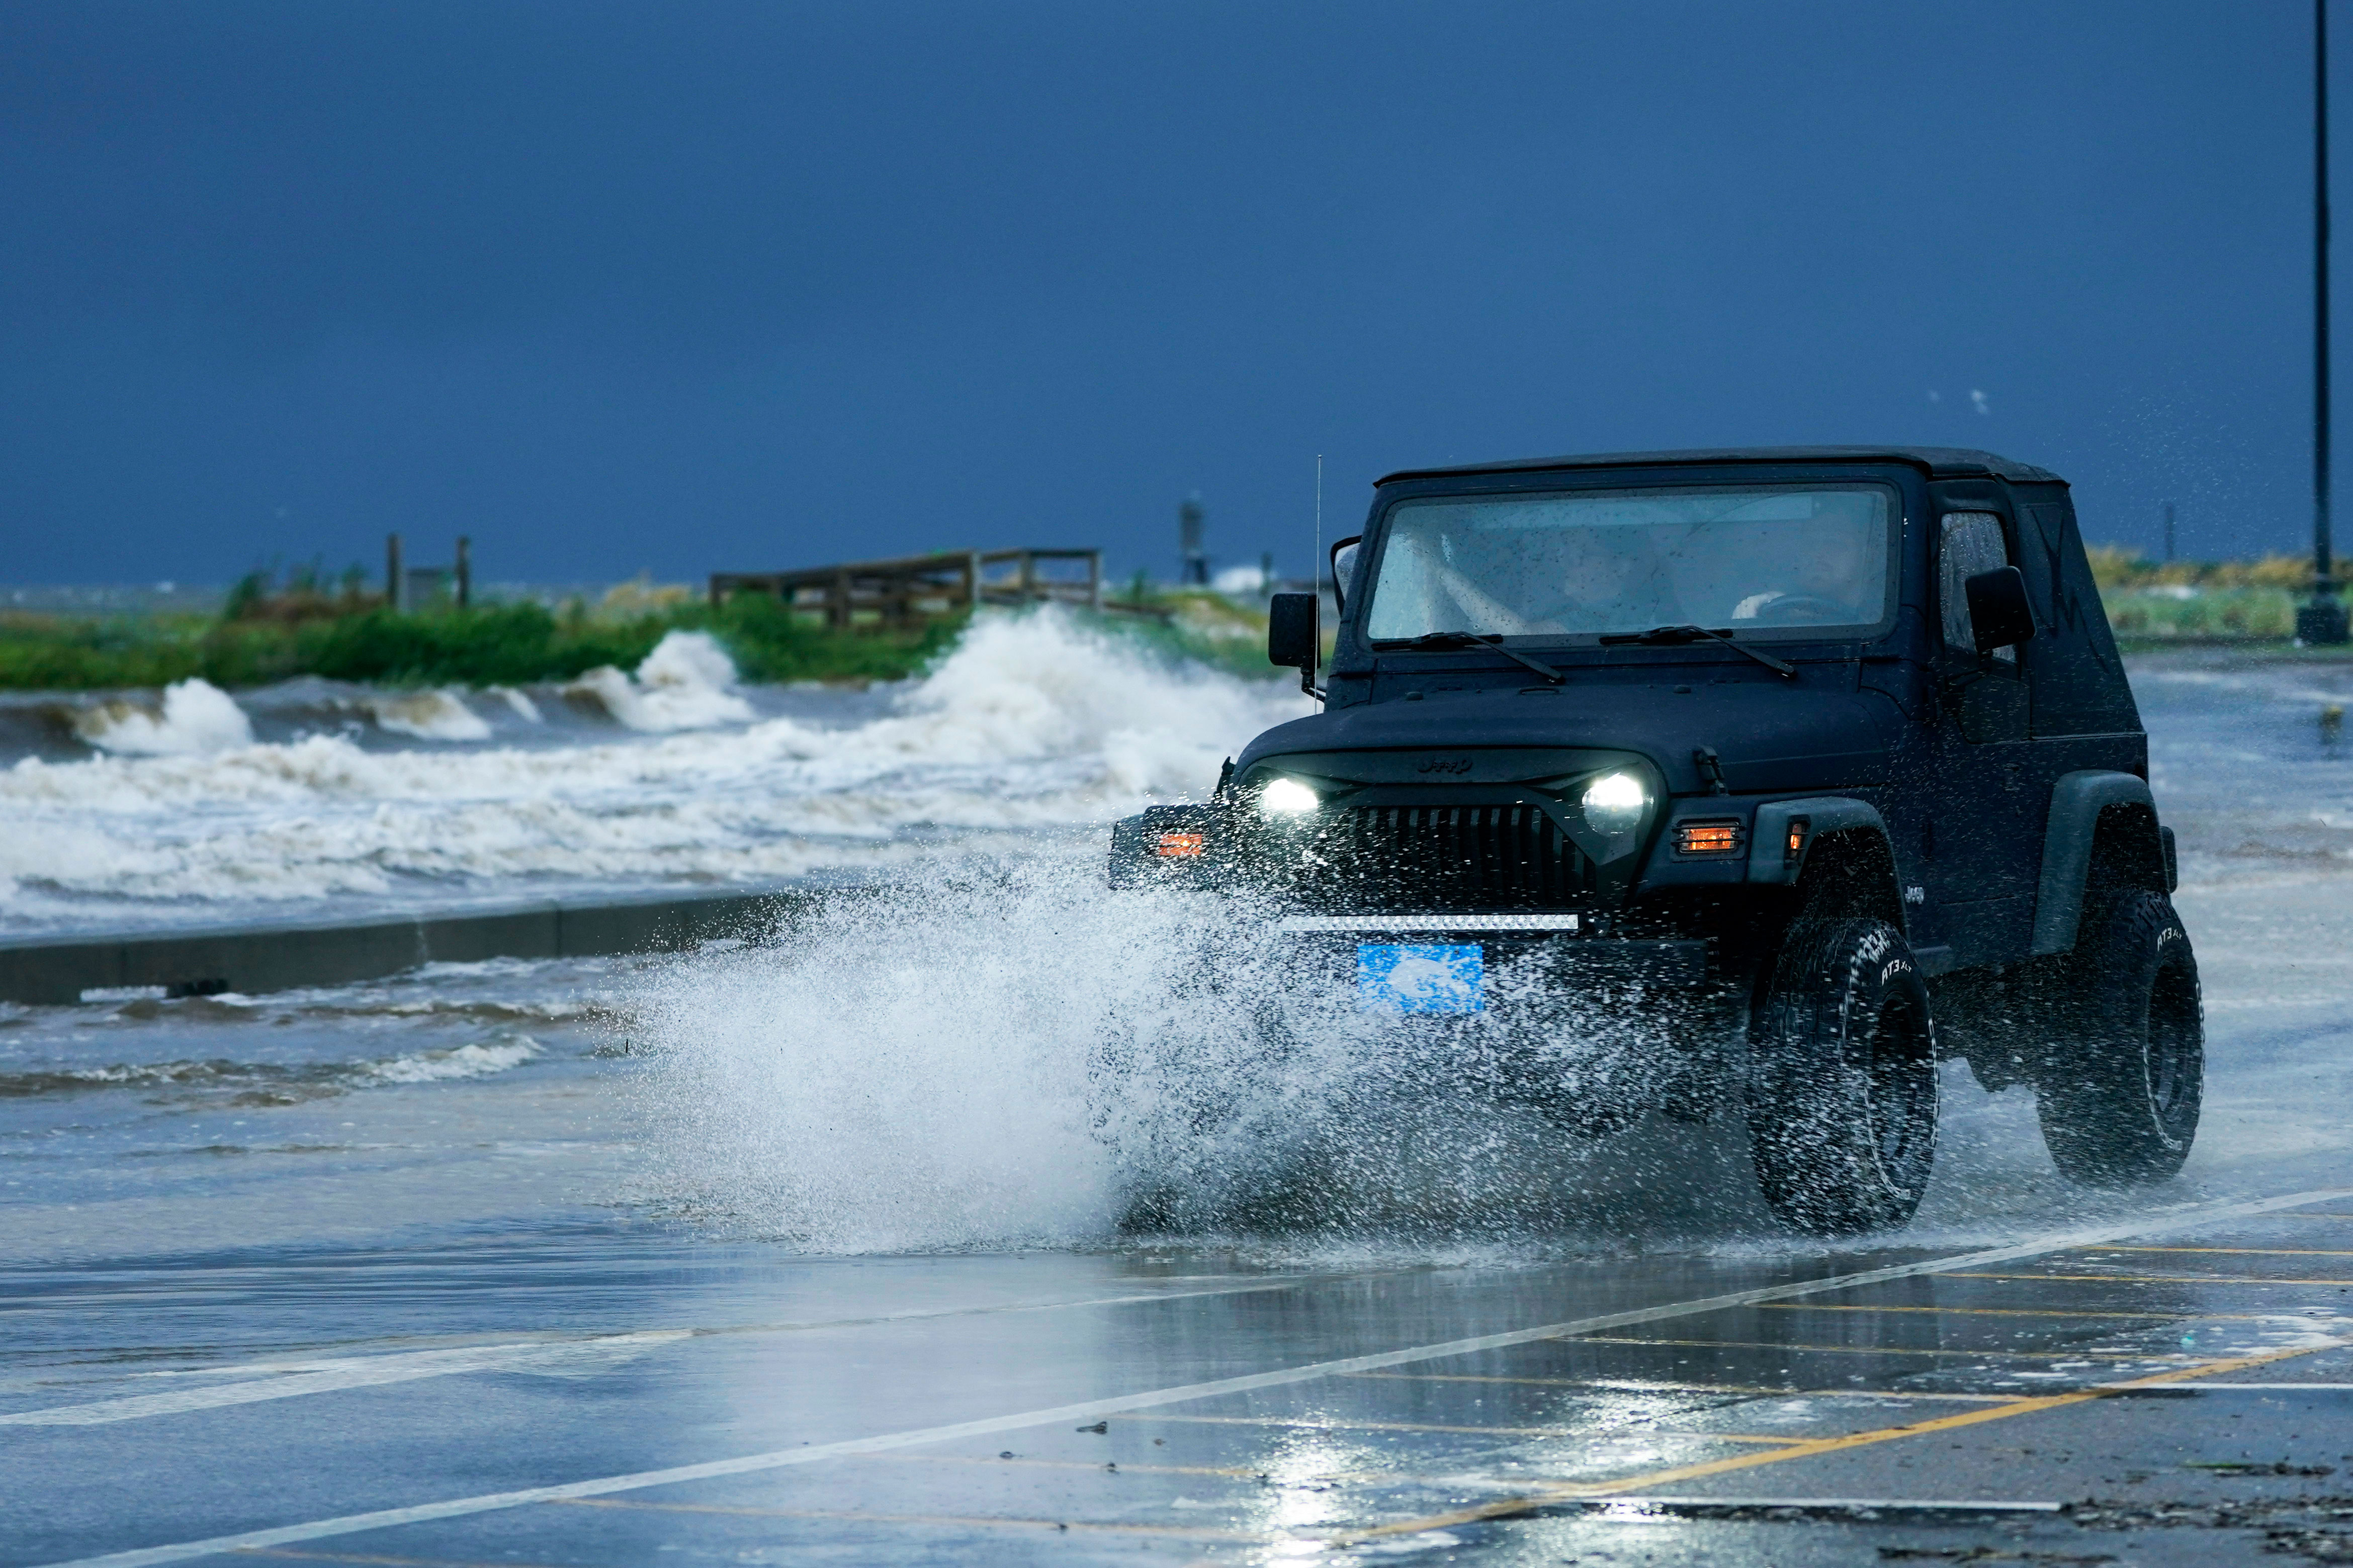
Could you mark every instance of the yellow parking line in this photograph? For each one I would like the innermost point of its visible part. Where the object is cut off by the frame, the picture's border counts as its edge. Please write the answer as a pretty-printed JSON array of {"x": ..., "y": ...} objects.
[
  {"x": 1872, "y": 1349},
  {"x": 948, "y": 1520},
  {"x": 1322, "y": 1423},
  {"x": 1528, "y": 1502},
  {"x": 2235, "y": 1251},
  {"x": 2174, "y": 1314},
  {"x": 2152, "y": 1278}
]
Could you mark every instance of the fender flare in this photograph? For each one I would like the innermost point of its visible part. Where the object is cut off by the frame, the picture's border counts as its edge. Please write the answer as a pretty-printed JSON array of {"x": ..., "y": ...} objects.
[
  {"x": 1769, "y": 856},
  {"x": 2076, "y": 802}
]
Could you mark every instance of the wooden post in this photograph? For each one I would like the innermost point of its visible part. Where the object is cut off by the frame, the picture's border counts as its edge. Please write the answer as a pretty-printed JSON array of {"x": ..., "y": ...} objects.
[
  {"x": 1094, "y": 580},
  {"x": 465, "y": 570},
  {"x": 837, "y": 601},
  {"x": 392, "y": 594}
]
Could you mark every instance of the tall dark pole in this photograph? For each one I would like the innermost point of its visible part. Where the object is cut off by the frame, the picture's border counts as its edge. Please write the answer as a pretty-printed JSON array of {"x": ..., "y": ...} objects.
[{"x": 2324, "y": 619}]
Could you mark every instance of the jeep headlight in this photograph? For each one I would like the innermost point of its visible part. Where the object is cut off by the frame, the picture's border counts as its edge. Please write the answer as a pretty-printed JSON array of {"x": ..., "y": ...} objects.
[
  {"x": 1286, "y": 797},
  {"x": 1614, "y": 801}
]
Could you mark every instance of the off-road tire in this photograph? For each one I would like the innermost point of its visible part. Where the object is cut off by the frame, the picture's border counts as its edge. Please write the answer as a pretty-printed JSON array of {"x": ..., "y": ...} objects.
[
  {"x": 2122, "y": 1070},
  {"x": 1842, "y": 1080}
]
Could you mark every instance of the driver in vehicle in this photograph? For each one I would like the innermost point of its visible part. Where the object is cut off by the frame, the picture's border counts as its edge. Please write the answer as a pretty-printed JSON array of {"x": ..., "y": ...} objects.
[{"x": 1824, "y": 586}]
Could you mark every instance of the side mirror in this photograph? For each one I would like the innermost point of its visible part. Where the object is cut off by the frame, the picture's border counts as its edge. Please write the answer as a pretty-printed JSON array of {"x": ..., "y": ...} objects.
[
  {"x": 1293, "y": 637},
  {"x": 1344, "y": 566},
  {"x": 2000, "y": 615}
]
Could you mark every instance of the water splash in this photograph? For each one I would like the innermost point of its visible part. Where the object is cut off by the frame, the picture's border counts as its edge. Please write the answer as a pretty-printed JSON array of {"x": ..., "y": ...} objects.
[
  {"x": 195, "y": 717},
  {"x": 1016, "y": 1054},
  {"x": 686, "y": 683}
]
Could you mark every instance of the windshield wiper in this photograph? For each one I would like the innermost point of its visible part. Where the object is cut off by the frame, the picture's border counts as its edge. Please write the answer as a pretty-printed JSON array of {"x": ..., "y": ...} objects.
[
  {"x": 1697, "y": 633},
  {"x": 1468, "y": 639}
]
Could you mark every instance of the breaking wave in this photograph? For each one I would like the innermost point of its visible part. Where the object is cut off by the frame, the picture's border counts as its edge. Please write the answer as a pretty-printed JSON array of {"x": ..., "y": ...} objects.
[
  {"x": 429, "y": 716},
  {"x": 1032, "y": 723},
  {"x": 276, "y": 1082},
  {"x": 686, "y": 683},
  {"x": 195, "y": 717}
]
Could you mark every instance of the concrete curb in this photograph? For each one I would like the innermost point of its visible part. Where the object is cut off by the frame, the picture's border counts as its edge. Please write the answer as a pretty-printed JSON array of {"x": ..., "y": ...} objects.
[{"x": 253, "y": 959}]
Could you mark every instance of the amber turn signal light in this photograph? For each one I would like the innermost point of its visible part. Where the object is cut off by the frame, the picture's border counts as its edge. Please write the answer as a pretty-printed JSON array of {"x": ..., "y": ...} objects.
[
  {"x": 1705, "y": 838},
  {"x": 1180, "y": 846}
]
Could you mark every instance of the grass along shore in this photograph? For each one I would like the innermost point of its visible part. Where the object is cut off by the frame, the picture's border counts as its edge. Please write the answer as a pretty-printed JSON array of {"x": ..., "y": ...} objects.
[
  {"x": 2152, "y": 602},
  {"x": 267, "y": 631}
]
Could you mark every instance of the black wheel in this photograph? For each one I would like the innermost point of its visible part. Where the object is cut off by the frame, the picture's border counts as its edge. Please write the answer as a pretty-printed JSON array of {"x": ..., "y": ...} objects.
[
  {"x": 2118, "y": 1091},
  {"x": 1843, "y": 1083}
]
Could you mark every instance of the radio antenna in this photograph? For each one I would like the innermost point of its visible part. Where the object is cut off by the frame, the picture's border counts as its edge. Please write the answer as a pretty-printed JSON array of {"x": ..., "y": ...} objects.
[{"x": 1317, "y": 655}]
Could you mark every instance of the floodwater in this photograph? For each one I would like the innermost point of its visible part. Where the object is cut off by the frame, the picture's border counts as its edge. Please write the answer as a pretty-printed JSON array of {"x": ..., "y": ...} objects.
[{"x": 838, "y": 1250}]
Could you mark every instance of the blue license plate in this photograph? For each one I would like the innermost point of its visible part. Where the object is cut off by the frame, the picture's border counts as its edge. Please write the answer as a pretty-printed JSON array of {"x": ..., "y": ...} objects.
[{"x": 1420, "y": 978}]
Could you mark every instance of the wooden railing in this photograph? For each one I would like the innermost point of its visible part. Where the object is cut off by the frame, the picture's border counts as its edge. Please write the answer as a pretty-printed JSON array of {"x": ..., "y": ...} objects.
[{"x": 908, "y": 592}]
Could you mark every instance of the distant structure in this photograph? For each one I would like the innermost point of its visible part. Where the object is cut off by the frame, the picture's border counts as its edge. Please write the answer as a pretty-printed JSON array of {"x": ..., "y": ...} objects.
[
  {"x": 903, "y": 594},
  {"x": 1196, "y": 568},
  {"x": 408, "y": 589}
]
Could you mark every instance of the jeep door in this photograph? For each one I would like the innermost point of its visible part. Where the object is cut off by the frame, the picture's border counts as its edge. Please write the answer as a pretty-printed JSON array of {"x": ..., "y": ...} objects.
[{"x": 1981, "y": 829}]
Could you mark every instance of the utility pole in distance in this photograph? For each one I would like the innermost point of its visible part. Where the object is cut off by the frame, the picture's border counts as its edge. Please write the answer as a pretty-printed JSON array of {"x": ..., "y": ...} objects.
[
  {"x": 2323, "y": 619},
  {"x": 2169, "y": 534},
  {"x": 1196, "y": 557}
]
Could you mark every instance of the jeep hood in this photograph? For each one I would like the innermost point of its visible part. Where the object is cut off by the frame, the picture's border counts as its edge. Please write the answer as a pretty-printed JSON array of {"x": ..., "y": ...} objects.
[{"x": 1769, "y": 739}]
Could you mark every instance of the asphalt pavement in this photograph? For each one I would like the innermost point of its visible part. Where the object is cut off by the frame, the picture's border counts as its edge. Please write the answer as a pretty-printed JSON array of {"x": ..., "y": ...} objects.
[{"x": 2172, "y": 1385}]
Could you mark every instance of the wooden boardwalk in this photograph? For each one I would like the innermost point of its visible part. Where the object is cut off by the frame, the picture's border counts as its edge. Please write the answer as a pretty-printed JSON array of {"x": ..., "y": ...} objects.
[{"x": 917, "y": 588}]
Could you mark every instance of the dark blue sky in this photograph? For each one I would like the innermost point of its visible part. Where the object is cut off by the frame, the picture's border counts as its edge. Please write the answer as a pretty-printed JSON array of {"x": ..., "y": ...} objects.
[{"x": 685, "y": 286}]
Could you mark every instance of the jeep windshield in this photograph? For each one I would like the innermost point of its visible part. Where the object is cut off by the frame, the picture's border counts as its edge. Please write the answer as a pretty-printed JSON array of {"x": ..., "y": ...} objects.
[{"x": 1755, "y": 560}]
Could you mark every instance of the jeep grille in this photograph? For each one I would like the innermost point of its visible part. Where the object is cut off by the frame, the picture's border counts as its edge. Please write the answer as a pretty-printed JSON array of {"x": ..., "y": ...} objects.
[{"x": 1473, "y": 858}]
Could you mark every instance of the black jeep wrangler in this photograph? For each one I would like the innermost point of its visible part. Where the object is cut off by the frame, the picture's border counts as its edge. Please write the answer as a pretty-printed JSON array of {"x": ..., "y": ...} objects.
[{"x": 1825, "y": 751}]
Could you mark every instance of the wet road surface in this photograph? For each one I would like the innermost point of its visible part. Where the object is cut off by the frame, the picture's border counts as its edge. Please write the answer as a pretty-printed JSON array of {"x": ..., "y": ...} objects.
[{"x": 2166, "y": 1387}]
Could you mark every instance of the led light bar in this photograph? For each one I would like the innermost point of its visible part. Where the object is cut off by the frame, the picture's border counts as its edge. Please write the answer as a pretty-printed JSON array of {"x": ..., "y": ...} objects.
[{"x": 1180, "y": 846}]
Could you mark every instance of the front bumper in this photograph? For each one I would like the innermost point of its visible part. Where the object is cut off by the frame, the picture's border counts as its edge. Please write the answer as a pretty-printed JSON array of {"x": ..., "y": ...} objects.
[{"x": 1522, "y": 961}]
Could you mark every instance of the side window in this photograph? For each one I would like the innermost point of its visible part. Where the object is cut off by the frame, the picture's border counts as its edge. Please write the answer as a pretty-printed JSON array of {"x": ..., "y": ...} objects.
[{"x": 1970, "y": 542}]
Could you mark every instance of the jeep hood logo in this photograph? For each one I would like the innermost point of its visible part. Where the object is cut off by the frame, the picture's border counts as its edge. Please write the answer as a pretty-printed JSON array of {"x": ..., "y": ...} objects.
[{"x": 1455, "y": 765}]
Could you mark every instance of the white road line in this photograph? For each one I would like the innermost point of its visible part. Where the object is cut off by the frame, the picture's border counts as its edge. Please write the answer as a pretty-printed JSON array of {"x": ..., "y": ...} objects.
[
  {"x": 366, "y": 1372},
  {"x": 1098, "y": 1409},
  {"x": 293, "y": 1379}
]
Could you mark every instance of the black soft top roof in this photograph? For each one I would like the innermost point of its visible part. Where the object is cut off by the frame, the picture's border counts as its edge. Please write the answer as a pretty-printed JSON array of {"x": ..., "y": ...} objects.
[{"x": 1941, "y": 462}]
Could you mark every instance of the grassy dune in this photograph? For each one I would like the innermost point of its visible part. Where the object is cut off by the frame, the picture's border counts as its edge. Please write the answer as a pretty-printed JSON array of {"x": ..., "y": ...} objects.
[
  {"x": 2151, "y": 603},
  {"x": 492, "y": 645},
  {"x": 266, "y": 635},
  {"x": 269, "y": 632}
]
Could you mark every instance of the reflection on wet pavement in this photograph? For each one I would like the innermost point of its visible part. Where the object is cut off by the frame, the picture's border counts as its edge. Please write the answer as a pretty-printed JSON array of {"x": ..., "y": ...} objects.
[{"x": 1979, "y": 1398}]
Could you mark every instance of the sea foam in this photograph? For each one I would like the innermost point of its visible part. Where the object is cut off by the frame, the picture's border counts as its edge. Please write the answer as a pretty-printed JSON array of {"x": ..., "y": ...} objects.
[
  {"x": 193, "y": 717},
  {"x": 1033, "y": 722}
]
